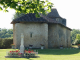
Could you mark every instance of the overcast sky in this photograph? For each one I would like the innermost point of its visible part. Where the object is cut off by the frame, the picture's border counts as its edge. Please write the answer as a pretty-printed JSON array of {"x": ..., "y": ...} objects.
[{"x": 68, "y": 9}]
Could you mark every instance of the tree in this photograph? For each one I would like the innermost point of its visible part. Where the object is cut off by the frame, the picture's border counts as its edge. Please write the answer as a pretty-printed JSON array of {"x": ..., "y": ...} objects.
[
  {"x": 74, "y": 33},
  {"x": 27, "y": 6},
  {"x": 6, "y": 33},
  {"x": 10, "y": 31},
  {"x": 75, "y": 36},
  {"x": 77, "y": 40},
  {"x": 78, "y": 36},
  {"x": 17, "y": 15}
]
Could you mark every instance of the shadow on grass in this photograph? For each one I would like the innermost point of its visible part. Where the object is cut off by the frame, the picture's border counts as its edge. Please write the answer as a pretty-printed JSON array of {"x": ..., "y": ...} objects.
[
  {"x": 58, "y": 51},
  {"x": 20, "y": 58}
]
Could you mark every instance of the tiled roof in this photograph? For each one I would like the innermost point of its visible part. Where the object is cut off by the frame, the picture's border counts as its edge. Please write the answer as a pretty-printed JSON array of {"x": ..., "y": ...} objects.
[{"x": 31, "y": 18}]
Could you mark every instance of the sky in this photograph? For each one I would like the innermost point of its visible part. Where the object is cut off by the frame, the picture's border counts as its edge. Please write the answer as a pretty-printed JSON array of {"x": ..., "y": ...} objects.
[
  {"x": 68, "y": 9},
  {"x": 6, "y": 18}
]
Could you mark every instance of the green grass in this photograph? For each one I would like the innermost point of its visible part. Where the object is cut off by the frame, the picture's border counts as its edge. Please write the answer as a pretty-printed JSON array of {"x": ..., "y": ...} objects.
[{"x": 48, "y": 54}]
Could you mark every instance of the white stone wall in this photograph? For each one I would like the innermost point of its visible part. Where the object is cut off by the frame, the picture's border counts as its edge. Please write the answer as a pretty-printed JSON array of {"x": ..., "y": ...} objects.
[{"x": 39, "y": 32}]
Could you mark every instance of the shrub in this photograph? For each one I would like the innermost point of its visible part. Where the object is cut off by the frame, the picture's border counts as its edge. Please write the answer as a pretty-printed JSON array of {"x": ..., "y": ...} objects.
[
  {"x": 77, "y": 42},
  {"x": 5, "y": 42},
  {"x": 0, "y": 42}
]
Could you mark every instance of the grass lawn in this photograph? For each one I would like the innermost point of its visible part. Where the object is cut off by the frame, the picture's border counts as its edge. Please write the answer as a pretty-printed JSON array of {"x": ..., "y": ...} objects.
[{"x": 48, "y": 54}]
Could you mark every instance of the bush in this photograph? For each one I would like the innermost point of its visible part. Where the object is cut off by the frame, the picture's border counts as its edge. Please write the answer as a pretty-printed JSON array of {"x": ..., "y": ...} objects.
[
  {"x": 0, "y": 43},
  {"x": 77, "y": 42},
  {"x": 5, "y": 43}
]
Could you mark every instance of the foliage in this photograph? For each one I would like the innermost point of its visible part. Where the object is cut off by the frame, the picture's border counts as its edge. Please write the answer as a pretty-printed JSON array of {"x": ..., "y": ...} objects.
[
  {"x": 12, "y": 44},
  {"x": 77, "y": 42},
  {"x": 17, "y": 15},
  {"x": 78, "y": 36},
  {"x": 27, "y": 6},
  {"x": 5, "y": 42},
  {"x": 74, "y": 33},
  {"x": 6, "y": 33}
]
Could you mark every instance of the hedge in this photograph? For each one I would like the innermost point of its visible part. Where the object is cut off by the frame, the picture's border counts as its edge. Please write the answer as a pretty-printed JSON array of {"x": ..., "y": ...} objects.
[{"x": 5, "y": 43}]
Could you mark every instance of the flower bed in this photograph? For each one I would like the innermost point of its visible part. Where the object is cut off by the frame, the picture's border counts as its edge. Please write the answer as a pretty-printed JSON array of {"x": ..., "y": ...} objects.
[
  {"x": 30, "y": 53},
  {"x": 14, "y": 53},
  {"x": 27, "y": 54}
]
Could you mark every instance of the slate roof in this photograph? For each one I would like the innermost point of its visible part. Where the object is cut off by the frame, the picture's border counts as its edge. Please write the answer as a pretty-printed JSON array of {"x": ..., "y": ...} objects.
[
  {"x": 53, "y": 13},
  {"x": 31, "y": 18},
  {"x": 44, "y": 19}
]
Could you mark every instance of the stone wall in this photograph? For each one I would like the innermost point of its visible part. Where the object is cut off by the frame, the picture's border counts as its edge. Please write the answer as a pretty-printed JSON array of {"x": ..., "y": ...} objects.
[
  {"x": 52, "y": 35},
  {"x": 14, "y": 36},
  {"x": 58, "y": 35},
  {"x": 34, "y": 34}
]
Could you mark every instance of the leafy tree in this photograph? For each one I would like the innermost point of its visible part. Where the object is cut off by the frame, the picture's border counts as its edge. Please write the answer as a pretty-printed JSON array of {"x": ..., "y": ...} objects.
[
  {"x": 78, "y": 36},
  {"x": 74, "y": 32},
  {"x": 75, "y": 36},
  {"x": 6, "y": 33},
  {"x": 77, "y": 40},
  {"x": 27, "y": 6},
  {"x": 10, "y": 31},
  {"x": 17, "y": 15}
]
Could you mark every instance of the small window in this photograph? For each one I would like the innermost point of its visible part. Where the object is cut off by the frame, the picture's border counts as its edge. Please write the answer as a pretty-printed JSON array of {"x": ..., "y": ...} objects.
[
  {"x": 31, "y": 34},
  {"x": 57, "y": 19}
]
